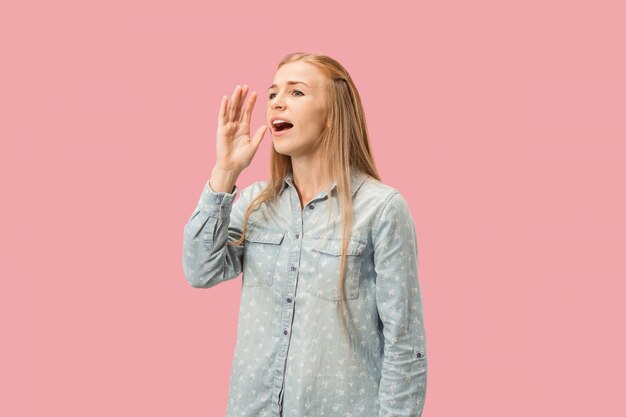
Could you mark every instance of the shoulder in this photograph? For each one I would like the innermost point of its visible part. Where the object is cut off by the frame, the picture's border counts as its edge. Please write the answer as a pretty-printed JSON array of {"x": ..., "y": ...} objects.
[
  {"x": 378, "y": 194},
  {"x": 388, "y": 203},
  {"x": 251, "y": 191}
]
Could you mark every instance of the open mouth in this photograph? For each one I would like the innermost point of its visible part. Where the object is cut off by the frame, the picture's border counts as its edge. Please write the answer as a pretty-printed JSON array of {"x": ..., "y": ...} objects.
[{"x": 280, "y": 126}]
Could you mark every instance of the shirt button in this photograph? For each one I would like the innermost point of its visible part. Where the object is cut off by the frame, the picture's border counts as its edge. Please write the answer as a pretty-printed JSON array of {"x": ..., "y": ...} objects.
[
  {"x": 285, "y": 331},
  {"x": 288, "y": 300},
  {"x": 311, "y": 206},
  {"x": 418, "y": 355},
  {"x": 293, "y": 268},
  {"x": 297, "y": 235}
]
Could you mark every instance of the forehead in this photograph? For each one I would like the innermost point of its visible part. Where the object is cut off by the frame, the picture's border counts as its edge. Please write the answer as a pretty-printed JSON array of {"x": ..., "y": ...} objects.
[{"x": 299, "y": 71}]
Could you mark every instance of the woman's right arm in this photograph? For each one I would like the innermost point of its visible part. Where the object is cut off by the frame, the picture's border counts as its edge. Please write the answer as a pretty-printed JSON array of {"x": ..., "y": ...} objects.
[{"x": 207, "y": 259}]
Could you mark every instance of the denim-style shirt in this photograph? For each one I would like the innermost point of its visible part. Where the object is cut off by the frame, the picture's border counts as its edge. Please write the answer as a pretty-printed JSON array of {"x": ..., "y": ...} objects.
[{"x": 291, "y": 357}]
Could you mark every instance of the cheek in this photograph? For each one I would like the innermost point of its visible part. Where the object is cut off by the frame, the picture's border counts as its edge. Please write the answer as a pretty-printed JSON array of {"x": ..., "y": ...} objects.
[
  {"x": 320, "y": 118},
  {"x": 313, "y": 124}
]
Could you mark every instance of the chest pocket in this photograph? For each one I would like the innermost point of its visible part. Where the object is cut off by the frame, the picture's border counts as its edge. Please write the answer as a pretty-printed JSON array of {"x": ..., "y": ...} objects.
[
  {"x": 261, "y": 251},
  {"x": 325, "y": 280}
]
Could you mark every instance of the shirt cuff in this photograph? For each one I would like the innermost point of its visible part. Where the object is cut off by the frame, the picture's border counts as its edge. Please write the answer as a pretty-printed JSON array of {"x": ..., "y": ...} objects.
[{"x": 216, "y": 203}]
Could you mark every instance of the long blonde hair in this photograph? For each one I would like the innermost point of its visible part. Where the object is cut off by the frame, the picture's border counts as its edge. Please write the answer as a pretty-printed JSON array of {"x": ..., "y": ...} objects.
[{"x": 344, "y": 142}]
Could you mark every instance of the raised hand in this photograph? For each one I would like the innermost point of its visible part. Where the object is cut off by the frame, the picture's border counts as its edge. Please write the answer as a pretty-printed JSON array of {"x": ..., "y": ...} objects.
[{"x": 235, "y": 147}]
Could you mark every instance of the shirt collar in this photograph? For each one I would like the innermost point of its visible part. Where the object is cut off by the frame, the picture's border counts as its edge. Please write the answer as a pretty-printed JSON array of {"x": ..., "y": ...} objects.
[{"x": 357, "y": 178}]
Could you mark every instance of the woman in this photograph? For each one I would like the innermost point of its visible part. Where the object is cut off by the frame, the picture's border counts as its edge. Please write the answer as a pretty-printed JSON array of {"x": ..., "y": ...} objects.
[{"x": 331, "y": 317}]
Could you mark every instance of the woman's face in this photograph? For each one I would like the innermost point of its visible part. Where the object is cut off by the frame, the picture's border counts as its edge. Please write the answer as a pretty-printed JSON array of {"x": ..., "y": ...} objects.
[{"x": 301, "y": 104}]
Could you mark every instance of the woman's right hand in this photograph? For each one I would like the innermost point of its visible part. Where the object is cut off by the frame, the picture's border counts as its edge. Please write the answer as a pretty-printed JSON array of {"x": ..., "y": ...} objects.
[{"x": 235, "y": 147}]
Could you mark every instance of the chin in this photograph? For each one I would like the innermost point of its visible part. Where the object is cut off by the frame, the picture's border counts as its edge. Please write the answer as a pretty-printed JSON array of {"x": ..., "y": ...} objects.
[{"x": 283, "y": 150}]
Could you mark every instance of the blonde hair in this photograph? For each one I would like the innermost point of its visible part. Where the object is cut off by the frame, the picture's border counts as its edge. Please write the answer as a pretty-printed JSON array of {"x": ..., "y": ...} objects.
[{"x": 344, "y": 142}]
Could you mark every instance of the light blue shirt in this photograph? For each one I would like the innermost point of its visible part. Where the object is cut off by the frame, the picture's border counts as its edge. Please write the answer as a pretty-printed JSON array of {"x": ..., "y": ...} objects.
[{"x": 291, "y": 357}]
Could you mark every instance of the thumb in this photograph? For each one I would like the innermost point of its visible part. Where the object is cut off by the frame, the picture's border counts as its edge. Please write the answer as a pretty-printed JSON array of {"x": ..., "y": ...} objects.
[{"x": 258, "y": 135}]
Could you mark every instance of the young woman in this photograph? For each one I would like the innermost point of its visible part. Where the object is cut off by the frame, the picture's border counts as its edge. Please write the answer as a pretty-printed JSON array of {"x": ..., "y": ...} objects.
[{"x": 331, "y": 317}]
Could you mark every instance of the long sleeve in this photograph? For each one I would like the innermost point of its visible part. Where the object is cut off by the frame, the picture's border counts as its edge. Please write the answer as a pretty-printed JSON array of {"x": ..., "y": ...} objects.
[
  {"x": 207, "y": 260},
  {"x": 402, "y": 388}
]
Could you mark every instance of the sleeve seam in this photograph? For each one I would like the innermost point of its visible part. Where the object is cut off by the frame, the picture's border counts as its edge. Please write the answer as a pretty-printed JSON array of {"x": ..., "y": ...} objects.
[{"x": 381, "y": 211}]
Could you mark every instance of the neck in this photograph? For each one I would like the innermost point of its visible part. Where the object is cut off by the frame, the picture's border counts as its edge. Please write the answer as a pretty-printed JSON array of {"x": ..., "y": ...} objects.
[{"x": 309, "y": 179}]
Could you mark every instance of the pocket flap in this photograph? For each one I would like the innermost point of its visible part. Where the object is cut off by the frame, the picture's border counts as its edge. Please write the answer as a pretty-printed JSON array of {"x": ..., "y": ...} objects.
[
  {"x": 264, "y": 235},
  {"x": 332, "y": 246}
]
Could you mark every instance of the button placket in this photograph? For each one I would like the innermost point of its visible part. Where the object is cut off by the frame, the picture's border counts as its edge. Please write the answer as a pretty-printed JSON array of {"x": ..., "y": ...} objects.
[{"x": 294, "y": 259}]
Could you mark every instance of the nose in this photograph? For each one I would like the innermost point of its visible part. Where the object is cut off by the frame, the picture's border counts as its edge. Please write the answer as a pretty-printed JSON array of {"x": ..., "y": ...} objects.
[{"x": 278, "y": 104}]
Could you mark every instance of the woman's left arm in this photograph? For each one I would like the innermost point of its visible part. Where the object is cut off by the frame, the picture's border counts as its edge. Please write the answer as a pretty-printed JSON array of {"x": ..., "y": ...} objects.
[{"x": 402, "y": 387}]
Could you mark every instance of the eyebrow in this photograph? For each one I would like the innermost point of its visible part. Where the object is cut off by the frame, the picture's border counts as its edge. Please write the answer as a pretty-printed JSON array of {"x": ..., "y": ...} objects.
[{"x": 289, "y": 83}]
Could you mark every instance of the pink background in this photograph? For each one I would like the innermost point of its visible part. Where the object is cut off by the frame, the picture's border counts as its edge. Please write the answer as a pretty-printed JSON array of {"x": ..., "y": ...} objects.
[{"x": 502, "y": 123}]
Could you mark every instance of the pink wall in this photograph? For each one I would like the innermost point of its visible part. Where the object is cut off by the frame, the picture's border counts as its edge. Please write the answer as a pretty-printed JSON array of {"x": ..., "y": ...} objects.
[{"x": 502, "y": 123}]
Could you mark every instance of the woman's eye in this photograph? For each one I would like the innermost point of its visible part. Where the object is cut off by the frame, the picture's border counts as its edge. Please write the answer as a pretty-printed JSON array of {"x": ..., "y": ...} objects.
[{"x": 271, "y": 96}]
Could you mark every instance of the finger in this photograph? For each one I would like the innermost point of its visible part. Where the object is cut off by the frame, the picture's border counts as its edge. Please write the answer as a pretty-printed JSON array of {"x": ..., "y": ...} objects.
[
  {"x": 242, "y": 97},
  {"x": 221, "y": 118},
  {"x": 233, "y": 104},
  {"x": 247, "y": 114},
  {"x": 258, "y": 136}
]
